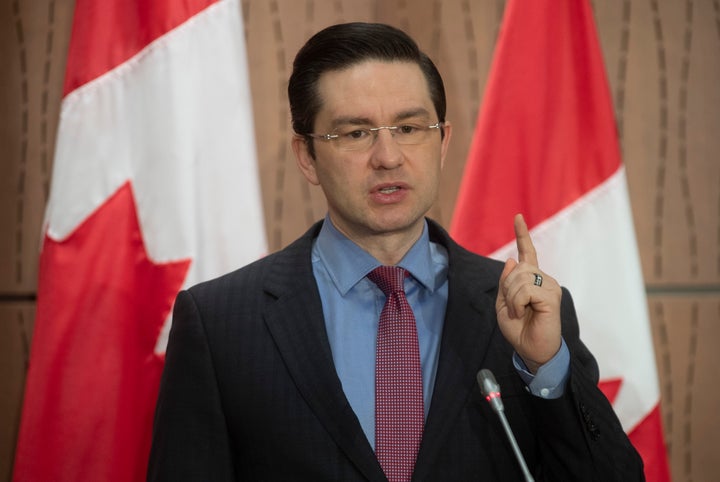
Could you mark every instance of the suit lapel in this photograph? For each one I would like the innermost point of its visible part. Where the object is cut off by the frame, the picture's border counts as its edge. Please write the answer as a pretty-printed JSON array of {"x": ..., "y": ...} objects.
[
  {"x": 468, "y": 328},
  {"x": 295, "y": 320}
]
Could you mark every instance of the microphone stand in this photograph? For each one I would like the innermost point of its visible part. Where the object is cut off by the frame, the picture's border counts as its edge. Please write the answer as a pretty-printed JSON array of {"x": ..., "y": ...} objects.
[{"x": 491, "y": 390}]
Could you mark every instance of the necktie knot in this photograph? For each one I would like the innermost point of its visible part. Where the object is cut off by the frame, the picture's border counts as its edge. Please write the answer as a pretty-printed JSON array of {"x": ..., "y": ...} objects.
[{"x": 390, "y": 279}]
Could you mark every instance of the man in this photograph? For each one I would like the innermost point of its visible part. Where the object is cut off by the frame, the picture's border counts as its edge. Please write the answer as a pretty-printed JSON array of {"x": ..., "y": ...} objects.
[{"x": 278, "y": 371}]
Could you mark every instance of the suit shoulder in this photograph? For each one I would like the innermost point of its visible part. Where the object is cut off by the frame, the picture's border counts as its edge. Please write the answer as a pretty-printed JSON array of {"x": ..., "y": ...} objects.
[
  {"x": 460, "y": 256},
  {"x": 250, "y": 273},
  {"x": 291, "y": 261}
]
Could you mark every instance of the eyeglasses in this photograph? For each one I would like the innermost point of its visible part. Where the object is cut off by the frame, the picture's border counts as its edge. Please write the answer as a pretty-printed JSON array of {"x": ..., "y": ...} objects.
[{"x": 354, "y": 139}]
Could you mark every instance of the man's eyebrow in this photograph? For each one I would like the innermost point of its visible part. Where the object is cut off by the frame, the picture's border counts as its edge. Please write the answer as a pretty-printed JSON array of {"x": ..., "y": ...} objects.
[
  {"x": 349, "y": 121},
  {"x": 409, "y": 114}
]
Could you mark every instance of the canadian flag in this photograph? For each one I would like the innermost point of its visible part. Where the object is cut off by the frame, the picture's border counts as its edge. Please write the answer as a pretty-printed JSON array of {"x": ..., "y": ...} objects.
[
  {"x": 155, "y": 187},
  {"x": 546, "y": 146}
]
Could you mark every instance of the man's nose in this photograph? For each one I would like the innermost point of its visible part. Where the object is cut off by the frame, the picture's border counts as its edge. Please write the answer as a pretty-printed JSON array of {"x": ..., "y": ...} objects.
[{"x": 386, "y": 153}]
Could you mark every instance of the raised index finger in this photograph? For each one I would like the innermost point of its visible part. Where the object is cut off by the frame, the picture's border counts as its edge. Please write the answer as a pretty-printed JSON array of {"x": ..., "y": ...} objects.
[{"x": 525, "y": 247}]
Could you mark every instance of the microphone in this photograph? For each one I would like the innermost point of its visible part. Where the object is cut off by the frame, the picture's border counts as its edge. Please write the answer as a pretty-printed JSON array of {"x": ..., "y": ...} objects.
[{"x": 491, "y": 390}]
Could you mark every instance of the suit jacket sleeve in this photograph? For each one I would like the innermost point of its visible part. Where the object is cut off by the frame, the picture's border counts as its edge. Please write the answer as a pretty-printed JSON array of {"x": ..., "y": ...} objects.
[
  {"x": 581, "y": 436},
  {"x": 190, "y": 438}
]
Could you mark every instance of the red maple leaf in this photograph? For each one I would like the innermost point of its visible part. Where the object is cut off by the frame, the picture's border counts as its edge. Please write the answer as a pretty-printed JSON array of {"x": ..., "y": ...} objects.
[{"x": 94, "y": 376}]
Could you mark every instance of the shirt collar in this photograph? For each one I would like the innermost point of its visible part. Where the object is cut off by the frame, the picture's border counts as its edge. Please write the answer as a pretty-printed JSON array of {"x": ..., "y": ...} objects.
[{"x": 347, "y": 263}]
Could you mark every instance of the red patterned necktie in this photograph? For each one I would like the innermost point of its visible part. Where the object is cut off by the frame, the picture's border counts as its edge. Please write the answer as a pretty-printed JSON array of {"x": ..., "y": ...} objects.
[{"x": 399, "y": 414}]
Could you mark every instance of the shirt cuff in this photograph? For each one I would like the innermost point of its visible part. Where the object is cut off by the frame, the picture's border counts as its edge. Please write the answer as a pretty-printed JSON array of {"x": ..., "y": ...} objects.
[{"x": 550, "y": 379}]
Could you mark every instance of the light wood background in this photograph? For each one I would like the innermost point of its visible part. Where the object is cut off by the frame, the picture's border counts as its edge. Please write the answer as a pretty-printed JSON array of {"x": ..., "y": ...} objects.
[{"x": 663, "y": 63}]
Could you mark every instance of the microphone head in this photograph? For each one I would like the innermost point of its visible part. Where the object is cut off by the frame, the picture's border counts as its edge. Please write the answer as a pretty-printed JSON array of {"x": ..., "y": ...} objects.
[
  {"x": 490, "y": 389},
  {"x": 487, "y": 382}
]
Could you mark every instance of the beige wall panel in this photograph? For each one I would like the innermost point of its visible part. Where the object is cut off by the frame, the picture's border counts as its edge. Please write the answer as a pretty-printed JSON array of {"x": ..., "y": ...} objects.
[
  {"x": 16, "y": 322},
  {"x": 669, "y": 105},
  {"x": 468, "y": 33},
  {"x": 686, "y": 330},
  {"x": 33, "y": 46}
]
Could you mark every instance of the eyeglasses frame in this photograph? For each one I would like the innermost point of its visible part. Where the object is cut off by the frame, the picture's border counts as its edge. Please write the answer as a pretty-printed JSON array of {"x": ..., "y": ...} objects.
[{"x": 374, "y": 130}]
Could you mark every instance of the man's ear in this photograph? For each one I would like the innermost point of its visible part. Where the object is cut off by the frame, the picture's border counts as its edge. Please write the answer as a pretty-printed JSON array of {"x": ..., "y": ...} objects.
[
  {"x": 447, "y": 133},
  {"x": 304, "y": 160}
]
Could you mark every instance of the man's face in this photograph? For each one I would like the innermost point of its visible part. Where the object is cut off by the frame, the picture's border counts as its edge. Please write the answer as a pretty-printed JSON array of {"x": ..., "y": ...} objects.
[{"x": 387, "y": 188}]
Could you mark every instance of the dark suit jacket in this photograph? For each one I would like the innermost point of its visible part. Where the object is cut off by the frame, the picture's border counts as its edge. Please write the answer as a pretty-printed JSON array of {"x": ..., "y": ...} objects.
[{"x": 249, "y": 390}]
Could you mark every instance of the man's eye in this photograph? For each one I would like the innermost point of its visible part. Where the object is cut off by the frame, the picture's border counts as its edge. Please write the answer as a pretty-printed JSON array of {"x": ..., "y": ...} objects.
[
  {"x": 407, "y": 129},
  {"x": 356, "y": 134}
]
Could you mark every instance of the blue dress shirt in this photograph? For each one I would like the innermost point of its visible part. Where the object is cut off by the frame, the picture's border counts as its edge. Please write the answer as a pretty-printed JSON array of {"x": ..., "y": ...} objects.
[{"x": 352, "y": 305}]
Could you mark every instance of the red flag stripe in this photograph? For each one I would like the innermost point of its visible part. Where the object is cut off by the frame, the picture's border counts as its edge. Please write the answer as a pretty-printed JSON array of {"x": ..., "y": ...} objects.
[
  {"x": 648, "y": 438},
  {"x": 558, "y": 143},
  {"x": 106, "y": 34}
]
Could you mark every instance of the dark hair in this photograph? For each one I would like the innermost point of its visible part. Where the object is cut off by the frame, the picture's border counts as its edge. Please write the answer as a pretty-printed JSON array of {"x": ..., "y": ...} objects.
[{"x": 342, "y": 46}]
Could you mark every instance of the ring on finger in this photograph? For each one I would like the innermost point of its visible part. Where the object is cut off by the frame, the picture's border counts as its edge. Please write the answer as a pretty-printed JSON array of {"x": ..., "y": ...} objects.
[{"x": 538, "y": 279}]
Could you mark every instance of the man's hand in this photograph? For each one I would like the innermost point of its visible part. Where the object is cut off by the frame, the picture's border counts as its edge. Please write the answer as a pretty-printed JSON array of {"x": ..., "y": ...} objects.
[{"x": 528, "y": 314}]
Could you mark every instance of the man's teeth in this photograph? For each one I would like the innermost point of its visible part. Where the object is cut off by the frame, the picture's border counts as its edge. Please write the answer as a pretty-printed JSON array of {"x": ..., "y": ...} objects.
[{"x": 388, "y": 190}]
